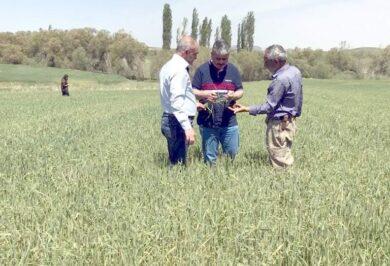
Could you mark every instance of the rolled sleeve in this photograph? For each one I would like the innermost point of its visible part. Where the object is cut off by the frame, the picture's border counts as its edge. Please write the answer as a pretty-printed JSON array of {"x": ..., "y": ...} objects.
[{"x": 275, "y": 93}]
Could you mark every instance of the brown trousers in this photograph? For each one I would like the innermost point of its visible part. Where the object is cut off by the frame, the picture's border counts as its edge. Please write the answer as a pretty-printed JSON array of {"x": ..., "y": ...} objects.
[{"x": 278, "y": 139}]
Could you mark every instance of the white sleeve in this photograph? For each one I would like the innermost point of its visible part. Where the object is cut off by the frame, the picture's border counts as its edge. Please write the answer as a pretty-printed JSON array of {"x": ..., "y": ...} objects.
[{"x": 178, "y": 93}]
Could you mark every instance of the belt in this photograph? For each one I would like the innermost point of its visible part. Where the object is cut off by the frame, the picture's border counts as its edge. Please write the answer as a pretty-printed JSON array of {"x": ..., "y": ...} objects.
[
  {"x": 172, "y": 115},
  {"x": 281, "y": 118}
]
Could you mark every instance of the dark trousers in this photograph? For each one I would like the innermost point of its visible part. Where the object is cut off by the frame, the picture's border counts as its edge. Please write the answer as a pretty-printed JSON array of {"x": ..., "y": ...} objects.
[
  {"x": 65, "y": 93},
  {"x": 176, "y": 139}
]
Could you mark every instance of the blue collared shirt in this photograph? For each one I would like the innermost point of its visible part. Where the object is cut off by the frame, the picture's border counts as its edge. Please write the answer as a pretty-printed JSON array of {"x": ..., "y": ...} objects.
[{"x": 284, "y": 94}]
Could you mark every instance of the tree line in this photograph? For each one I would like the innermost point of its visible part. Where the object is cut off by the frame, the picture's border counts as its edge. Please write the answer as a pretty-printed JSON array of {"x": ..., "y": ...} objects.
[
  {"x": 203, "y": 32},
  {"x": 101, "y": 51},
  {"x": 84, "y": 49}
]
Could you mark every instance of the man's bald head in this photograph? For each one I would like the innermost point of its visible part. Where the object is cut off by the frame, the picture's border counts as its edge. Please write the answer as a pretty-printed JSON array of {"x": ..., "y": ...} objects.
[
  {"x": 187, "y": 48},
  {"x": 186, "y": 43}
]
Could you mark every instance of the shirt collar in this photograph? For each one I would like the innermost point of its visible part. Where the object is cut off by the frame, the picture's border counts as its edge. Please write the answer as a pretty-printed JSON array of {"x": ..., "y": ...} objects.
[
  {"x": 280, "y": 70},
  {"x": 180, "y": 60}
]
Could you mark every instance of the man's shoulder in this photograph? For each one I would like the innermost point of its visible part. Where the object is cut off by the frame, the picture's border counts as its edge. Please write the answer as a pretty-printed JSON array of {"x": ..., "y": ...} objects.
[
  {"x": 294, "y": 69},
  {"x": 203, "y": 67},
  {"x": 171, "y": 67},
  {"x": 233, "y": 70},
  {"x": 233, "y": 67},
  {"x": 287, "y": 73}
]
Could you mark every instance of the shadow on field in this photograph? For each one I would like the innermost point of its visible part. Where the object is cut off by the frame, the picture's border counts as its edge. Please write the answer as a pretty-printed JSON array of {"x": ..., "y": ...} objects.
[
  {"x": 161, "y": 159},
  {"x": 256, "y": 157},
  {"x": 194, "y": 155}
]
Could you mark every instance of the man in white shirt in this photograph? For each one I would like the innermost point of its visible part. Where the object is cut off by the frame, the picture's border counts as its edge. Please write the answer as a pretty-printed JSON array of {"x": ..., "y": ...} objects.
[{"x": 178, "y": 100}]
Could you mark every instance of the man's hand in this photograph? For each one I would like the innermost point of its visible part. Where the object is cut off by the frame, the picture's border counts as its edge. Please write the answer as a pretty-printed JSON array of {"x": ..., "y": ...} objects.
[
  {"x": 190, "y": 136},
  {"x": 209, "y": 96},
  {"x": 200, "y": 106},
  {"x": 238, "y": 108},
  {"x": 230, "y": 95}
]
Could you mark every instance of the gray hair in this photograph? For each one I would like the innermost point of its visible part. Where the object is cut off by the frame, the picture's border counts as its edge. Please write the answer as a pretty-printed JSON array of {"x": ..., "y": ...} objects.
[
  {"x": 220, "y": 47},
  {"x": 276, "y": 52},
  {"x": 186, "y": 43}
]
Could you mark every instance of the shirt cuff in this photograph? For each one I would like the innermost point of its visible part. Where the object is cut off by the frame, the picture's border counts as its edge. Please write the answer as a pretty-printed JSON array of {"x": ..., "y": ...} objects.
[
  {"x": 186, "y": 125},
  {"x": 253, "y": 110}
]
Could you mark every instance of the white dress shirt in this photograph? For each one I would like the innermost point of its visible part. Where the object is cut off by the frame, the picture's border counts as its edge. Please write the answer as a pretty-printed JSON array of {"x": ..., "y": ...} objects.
[{"x": 176, "y": 93}]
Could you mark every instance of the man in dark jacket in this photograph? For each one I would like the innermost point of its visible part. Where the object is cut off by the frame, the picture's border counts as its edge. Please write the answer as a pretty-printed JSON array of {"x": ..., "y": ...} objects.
[{"x": 65, "y": 85}]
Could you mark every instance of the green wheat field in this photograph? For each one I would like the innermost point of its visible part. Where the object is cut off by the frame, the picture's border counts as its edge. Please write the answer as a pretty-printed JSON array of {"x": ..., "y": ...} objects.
[{"x": 84, "y": 179}]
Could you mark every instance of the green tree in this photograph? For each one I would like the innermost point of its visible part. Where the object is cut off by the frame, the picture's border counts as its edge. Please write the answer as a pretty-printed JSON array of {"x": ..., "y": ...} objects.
[
  {"x": 12, "y": 54},
  {"x": 53, "y": 52},
  {"x": 98, "y": 51},
  {"x": 127, "y": 55},
  {"x": 381, "y": 63},
  {"x": 239, "y": 38},
  {"x": 208, "y": 32},
  {"x": 339, "y": 59},
  {"x": 181, "y": 31},
  {"x": 226, "y": 30},
  {"x": 158, "y": 59},
  {"x": 203, "y": 32},
  {"x": 243, "y": 35},
  {"x": 167, "y": 27},
  {"x": 217, "y": 35},
  {"x": 194, "y": 24},
  {"x": 250, "y": 65},
  {"x": 249, "y": 29},
  {"x": 80, "y": 59}
]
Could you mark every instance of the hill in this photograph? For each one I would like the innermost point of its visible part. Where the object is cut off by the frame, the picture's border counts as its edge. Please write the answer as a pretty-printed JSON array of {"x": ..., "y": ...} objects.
[{"x": 17, "y": 77}]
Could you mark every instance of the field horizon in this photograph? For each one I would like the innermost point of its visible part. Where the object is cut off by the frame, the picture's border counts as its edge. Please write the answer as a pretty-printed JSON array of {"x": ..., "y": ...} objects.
[{"x": 84, "y": 179}]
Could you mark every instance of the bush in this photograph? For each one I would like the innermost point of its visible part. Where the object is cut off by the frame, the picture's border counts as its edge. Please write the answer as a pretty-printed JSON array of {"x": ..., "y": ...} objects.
[
  {"x": 12, "y": 54},
  {"x": 157, "y": 60},
  {"x": 250, "y": 65},
  {"x": 80, "y": 60}
]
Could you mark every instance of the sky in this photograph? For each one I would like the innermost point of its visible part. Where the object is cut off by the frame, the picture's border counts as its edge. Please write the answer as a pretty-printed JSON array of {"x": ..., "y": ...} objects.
[{"x": 318, "y": 24}]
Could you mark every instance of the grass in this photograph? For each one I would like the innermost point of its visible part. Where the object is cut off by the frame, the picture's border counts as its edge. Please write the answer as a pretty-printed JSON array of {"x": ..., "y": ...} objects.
[
  {"x": 84, "y": 180},
  {"x": 22, "y": 77}
]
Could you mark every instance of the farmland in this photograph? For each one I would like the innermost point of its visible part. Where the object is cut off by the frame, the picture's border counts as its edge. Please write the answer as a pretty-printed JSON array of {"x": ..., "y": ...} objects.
[{"x": 84, "y": 179}]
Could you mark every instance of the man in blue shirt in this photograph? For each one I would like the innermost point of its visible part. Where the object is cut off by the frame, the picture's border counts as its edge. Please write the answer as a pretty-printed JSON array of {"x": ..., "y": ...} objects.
[
  {"x": 217, "y": 84},
  {"x": 283, "y": 105}
]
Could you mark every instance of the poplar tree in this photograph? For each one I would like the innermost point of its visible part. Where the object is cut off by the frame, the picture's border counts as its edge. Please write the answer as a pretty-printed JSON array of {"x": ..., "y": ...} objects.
[
  {"x": 184, "y": 26},
  {"x": 203, "y": 32},
  {"x": 226, "y": 30},
  {"x": 194, "y": 24},
  {"x": 250, "y": 29},
  {"x": 239, "y": 38},
  {"x": 208, "y": 32},
  {"x": 167, "y": 27},
  {"x": 181, "y": 31},
  {"x": 217, "y": 35},
  {"x": 243, "y": 35}
]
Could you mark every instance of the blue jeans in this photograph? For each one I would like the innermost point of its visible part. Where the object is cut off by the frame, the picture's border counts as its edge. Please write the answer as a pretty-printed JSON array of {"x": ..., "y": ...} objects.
[
  {"x": 211, "y": 137},
  {"x": 176, "y": 139}
]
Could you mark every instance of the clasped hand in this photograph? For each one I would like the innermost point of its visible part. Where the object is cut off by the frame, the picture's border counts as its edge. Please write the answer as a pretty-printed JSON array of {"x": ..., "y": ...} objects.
[{"x": 238, "y": 108}]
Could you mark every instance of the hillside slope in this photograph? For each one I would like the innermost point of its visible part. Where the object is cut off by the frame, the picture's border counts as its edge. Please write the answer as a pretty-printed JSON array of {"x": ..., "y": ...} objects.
[{"x": 17, "y": 77}]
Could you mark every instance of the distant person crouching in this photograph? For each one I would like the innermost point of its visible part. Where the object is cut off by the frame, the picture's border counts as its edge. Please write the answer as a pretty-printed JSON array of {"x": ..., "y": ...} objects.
[{"x": 65, "y": 85}]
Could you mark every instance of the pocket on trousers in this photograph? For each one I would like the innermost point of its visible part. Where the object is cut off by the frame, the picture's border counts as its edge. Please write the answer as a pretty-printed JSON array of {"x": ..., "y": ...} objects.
[
  {"x": 290, "y": 131},
  {"x": 279, "y": 134},
  {"x": 165, "y": 128}
]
